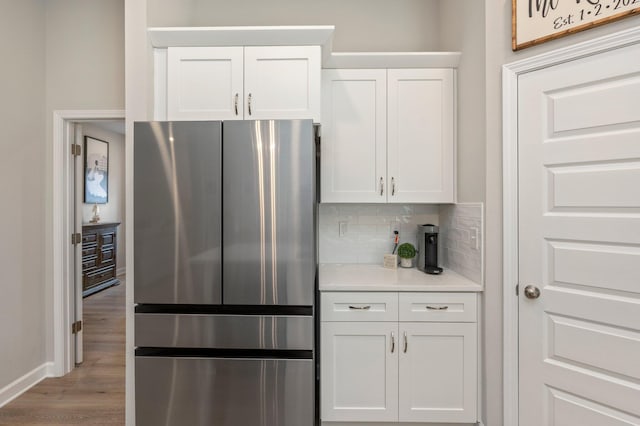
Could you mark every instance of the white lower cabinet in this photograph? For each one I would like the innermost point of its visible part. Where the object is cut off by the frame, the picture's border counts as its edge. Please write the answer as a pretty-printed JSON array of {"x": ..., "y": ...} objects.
[
  {"x": 359, "y": 371},
  {"x": 438, "y": 373},
  {"x": 399, "y": 371}
]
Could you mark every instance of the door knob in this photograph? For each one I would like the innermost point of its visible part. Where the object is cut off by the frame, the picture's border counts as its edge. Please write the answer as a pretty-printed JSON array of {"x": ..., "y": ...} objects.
[{"x": 531, "y": 292}]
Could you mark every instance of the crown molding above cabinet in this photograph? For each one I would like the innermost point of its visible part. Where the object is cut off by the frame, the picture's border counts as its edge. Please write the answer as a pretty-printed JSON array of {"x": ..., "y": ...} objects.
[
  {"x": 384, "y": 60},
  {"x": 317, "y": 35},
  {"x": 299, "y": 35}
]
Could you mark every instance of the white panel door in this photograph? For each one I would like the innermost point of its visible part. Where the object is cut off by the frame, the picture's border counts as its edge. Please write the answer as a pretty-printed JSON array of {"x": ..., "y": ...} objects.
[
  {"x": 282, "y": 82},
  {"x": 579, "y": 230},
  {"x": 420, "y": 139},
  {"x": 438, "y": 372},
  {"x": 204, "y": 83},
  {"x": 354, "y": 136},
  {"x": 359, "y": 377}
]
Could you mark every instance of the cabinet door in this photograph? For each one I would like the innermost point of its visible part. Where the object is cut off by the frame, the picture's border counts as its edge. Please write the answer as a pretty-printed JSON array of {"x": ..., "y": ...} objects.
[
  {"x": 359, "y": 374},
  {"x": 438, "y": 372},
  {"x": 282, "y": 82},
  {"x": 354, "y": 136},
  {"x": 204, "y": 83},
  {"x": 420, "y": 140}
]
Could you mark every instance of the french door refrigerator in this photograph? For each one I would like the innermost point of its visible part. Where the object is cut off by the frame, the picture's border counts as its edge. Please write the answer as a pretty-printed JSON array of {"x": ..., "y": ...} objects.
[{"x": 224, "y": 273}]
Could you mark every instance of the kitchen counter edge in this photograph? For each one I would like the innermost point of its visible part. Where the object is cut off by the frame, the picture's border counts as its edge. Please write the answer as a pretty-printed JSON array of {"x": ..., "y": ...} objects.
[{"x": 367, "y": 277}]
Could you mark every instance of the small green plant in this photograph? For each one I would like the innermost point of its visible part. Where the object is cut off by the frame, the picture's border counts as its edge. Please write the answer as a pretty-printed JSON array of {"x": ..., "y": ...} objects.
[{"x": 406, "y": 251}]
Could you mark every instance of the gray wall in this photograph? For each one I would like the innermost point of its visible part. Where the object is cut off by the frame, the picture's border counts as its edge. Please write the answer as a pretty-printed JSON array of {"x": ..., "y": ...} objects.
[
  {"x": 60, "y": 54},
  {"x": 464, "y": 32},
  {"x": 361, "y": 25},
  {"x": 114, "y": 209},
  {"x": 22, "y": 218},
  {"x": 85, "y": 70}
]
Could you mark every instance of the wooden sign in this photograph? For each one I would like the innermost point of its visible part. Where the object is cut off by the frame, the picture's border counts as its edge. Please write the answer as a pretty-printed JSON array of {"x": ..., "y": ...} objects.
[{"x": 537, "y": 21}]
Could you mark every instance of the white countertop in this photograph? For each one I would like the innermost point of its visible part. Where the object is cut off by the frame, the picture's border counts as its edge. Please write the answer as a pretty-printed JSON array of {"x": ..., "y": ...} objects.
[{"x": 364, "y": 277}]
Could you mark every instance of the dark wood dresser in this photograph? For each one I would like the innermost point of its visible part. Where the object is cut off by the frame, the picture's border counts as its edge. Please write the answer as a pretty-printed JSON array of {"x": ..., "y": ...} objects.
[{"x": 99, "y": 244}]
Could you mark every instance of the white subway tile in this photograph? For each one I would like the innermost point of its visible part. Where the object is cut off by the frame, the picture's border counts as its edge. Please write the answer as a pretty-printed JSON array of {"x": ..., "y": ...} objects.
[{"x": 370, "y": 235}]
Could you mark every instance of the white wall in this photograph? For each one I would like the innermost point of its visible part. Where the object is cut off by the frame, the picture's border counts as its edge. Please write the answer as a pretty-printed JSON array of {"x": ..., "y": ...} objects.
[
  {"x": 498, "y": 41},
  {"x": 114, "y": 209},
  {"x": 84, "y": 70},
  {"x": 361, "y": 25},
  {"x": 22, "y": 164}
]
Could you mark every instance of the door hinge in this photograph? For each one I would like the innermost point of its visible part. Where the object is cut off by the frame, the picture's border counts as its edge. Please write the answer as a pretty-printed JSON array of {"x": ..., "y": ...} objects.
[
  {"x": 76, "y": 238},
  {"x": 76, "y": 327},
  {"x": 517, "y": 289},
  {"x": 76, "y": 150}
]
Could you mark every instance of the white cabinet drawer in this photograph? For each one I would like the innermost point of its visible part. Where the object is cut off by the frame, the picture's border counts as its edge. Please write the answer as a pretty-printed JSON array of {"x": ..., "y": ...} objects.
[
  {"x": 358, "y": 306},
  {"x": 438, "y": 307}
]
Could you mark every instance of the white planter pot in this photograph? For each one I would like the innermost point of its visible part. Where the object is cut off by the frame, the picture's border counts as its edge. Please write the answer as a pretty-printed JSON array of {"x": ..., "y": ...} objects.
[{"x": 406, "y": 263}]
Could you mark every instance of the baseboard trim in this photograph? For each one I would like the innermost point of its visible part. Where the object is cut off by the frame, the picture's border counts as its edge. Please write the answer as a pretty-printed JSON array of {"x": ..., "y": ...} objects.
[
  {"x": 120, "y": 272},
  {"x": 24, "y": 383}
]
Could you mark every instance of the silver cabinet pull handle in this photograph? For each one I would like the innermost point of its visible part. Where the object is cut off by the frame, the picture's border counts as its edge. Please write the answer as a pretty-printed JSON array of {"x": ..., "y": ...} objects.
[
  {"x": 249, "y": 103},
  {"x": 393, "y": 342},
  {"x": 393, "y": 186},
  {"x": 437, "y": 308},
  {"x": 360, "y": 308},
  {"x": 406, "y": 342},
  {"x": 381, "y": 186},
  {"x": 235, "y": 103}
]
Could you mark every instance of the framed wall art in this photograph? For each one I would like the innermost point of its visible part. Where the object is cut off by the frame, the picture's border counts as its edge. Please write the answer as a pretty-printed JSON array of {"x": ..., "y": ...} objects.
[
  {"x": 96, "y": 171},
  {"x": 536, "y": 21}
]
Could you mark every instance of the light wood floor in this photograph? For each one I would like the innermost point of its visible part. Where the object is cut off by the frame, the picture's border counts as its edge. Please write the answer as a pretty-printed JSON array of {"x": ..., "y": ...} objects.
[{"x": 93, "y": 393}]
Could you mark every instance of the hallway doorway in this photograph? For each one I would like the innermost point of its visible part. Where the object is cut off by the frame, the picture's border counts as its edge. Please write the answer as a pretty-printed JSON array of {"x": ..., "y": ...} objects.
[
  {"x": 98, "y": 213},
  {"x": 68, "y": 216}
]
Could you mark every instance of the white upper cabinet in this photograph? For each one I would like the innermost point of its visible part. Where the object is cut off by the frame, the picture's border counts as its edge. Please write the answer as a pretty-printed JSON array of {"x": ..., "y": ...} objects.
[
  {"x": 282, "y": 82},
  {"x": 420, "y": 135},
  {"x": 388, "y": 136},
  {"x": 354, "y": 136},
  {"x": 205, "y": 83},
  {"x": 235, "y": 83}
]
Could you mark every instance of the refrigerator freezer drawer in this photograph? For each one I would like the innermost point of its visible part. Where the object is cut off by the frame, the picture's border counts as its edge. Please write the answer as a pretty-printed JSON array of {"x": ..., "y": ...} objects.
[
  {"x": 224, "y": 392},
  {"x": 224, "y": 331}
]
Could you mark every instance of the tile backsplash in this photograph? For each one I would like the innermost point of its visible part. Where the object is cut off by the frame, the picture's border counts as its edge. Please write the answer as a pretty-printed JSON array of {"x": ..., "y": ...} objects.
[
  {"x": 460, "y": 226},
  {"x": 363, "y": 233}
]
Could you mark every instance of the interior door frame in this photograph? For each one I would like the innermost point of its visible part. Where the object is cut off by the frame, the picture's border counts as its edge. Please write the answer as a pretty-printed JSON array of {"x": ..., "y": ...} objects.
[
  {"x": 510, "y": 75},
  {"x": 63, "y": 273}
]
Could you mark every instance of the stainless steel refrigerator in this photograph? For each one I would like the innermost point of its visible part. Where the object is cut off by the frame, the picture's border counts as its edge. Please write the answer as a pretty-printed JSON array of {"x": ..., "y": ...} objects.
[{"x": 225, "y": 273}]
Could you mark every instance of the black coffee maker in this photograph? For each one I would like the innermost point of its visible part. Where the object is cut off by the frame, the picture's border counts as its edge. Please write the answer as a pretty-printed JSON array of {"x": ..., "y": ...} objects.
[{"x": 428, "y": 249}]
